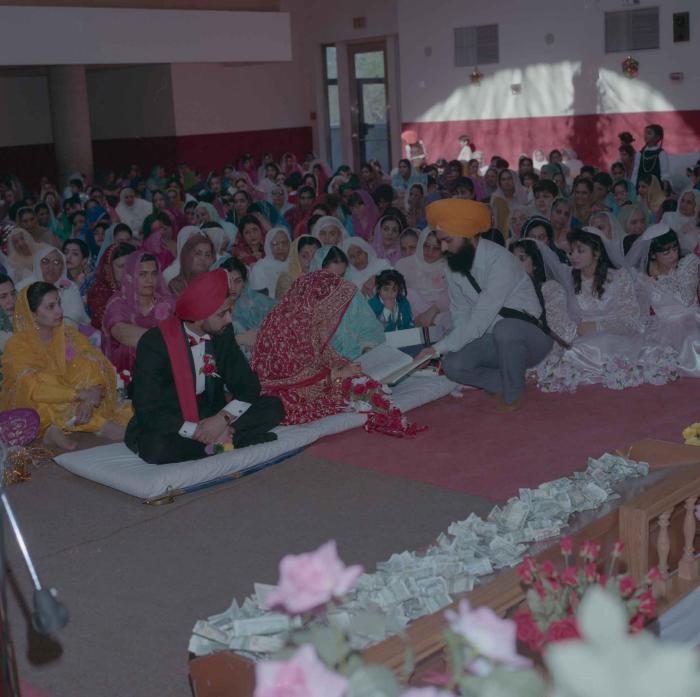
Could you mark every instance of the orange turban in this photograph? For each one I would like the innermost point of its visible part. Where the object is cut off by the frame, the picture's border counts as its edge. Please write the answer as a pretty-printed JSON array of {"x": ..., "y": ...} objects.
[
  {"x": 459, "y": 217},
  {"x": 203, "y": 297}
]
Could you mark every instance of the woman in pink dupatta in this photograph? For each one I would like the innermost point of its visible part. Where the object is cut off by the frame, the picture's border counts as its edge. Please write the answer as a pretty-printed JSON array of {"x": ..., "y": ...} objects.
[
  {"x": 141, "y": 303},
  {"x": 162, "y": 241},
  {"x": 365, "y": 214},
  {"x": 387, "y": 235}
]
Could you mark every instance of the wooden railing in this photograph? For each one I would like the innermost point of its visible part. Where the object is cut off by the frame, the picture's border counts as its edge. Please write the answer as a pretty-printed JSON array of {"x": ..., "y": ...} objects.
[{"x": 657, "y": 526}]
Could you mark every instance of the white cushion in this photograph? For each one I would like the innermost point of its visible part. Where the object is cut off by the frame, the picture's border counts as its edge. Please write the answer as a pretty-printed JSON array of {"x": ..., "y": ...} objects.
[{"x": 116, "y": 466}]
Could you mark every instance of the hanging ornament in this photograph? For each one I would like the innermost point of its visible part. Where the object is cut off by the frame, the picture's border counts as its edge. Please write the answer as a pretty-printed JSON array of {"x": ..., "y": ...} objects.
[
  {"x": 475, "y": 76},
  {"x": 630, "y": 67}
]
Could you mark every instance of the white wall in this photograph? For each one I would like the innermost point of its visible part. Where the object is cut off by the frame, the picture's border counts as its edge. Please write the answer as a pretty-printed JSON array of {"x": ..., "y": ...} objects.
[
  {"x": 573, "y": 75},
  {"x": 97, "y": 35},
  {"x": 24, "y": 110}
]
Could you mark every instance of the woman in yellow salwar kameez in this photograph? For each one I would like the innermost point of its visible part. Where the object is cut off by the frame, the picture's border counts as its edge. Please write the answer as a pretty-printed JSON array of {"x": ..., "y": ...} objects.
[{"x": 53, "y": 368}]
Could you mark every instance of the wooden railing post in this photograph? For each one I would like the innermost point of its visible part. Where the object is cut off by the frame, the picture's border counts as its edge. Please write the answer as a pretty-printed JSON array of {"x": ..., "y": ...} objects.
[
  {"x": 687, "y": 568},
  {"x": 663, "y": 547}
]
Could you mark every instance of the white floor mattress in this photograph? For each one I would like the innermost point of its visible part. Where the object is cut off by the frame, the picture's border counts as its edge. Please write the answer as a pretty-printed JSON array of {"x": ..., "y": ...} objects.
[{"x": 116, "y": 466}]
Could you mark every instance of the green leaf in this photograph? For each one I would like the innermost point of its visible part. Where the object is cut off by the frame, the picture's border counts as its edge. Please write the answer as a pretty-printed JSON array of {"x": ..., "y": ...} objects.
[
  {"x": 373, "y": 681},
  {"x": 330, "y": 644},
  {"x": 534, "y": 602},
  {"x": 507, "y": 683},
  {"x": 455, "y": 645}
]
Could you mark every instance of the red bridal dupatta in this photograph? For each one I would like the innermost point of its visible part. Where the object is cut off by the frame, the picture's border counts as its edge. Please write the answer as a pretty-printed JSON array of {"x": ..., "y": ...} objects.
[{"x": 293, "y": 356}]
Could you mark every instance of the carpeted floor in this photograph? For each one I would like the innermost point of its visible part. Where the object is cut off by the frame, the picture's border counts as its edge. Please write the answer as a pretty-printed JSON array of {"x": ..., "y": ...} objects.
[
  {"x": 470, "y": 447},
  {"x": 135, "y": 578}
]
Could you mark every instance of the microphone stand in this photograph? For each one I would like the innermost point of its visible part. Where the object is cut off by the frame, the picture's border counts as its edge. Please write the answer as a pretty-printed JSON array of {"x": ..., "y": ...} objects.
[{"x": 49, "y": 613}]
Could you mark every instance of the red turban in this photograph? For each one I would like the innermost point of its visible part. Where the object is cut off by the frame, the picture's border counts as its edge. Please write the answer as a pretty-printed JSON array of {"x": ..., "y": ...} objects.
[
  {"x": 201, "y": 299},
  {"x": 203, "y": 296}
]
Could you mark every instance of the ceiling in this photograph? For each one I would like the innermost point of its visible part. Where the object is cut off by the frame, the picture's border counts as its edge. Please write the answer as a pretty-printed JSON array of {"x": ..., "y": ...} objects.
[{"x": 239, "y": 5}]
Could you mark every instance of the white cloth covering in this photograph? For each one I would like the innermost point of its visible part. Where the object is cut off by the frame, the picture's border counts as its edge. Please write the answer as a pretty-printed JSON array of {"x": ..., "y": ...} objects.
[
  {"x": 73, "y": 308},
  {"x": 182, "y": 237},
  {"x": 617, "y": 354},
  {"x": 374, "y": 264},
  {"x": 673, "y": 300},
  {"x": 264, "y": 273},
  {"x": 135, "y": 214},
  {"x": 117, "y": 467}
]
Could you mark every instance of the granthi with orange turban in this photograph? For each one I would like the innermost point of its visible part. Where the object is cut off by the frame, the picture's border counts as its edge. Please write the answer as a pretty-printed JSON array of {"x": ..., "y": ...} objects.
[{"x": 458, "y": 217}]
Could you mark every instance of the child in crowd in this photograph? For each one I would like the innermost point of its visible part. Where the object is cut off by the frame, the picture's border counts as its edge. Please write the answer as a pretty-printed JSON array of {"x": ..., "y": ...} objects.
[{"x": 390, "y": 303}]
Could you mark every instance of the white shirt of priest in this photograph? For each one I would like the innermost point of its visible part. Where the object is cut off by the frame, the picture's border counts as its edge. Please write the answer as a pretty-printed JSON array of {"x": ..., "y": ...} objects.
[
  {"x": 503, "y": 282},
  {"x": 198, "y": 351}
]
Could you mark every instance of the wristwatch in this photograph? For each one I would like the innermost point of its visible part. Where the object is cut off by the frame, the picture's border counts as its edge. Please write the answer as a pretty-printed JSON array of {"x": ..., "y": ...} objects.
[{"x": 227, "y": 417}]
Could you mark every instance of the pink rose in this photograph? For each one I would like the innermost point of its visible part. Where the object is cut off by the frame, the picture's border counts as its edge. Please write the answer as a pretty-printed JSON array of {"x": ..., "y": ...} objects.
[
  {"x": 303, "y": 675},
  {"x": 627, "y": 586},
  {"x": 541, "y": 590},
  {"x": 647, "y": 604},
  {"x": 567, "y": 546},
  {"x": 310, "y": 580},
  {"x": 618, "y": 548},
  {"x": 590, "y": 550},
  {"x": 569, "y": 576},
  {"x": 490, "y": 636},
  {"x": 653, "y": 574},
  {"x": 526, "y": 570},
  {"x": 590, "y": 571},
  {"x": 637, "y": 623},
  {"x": 548, "y": 569},
  {"x": 562, "y": 629},
  {"x": 528, "y": 631}
]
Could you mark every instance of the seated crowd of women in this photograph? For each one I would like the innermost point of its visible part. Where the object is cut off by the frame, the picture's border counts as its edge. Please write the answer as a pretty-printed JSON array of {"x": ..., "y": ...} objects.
[{"x": 321, "y": 265}]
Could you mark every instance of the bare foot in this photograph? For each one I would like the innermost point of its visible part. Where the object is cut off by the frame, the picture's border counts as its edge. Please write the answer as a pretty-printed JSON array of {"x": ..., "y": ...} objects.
[
  {"x": 111, "y": 431},
  {"x": 55, "y": 438}
]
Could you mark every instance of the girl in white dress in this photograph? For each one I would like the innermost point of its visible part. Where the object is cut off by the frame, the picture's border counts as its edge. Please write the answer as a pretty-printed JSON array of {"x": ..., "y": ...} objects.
[
  {"x": 668, "y": 288},
  {"x": 609, "y": 346}
]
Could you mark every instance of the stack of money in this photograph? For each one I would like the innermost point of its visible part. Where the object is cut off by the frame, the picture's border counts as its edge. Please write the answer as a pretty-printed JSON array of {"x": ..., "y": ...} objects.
[{"x": 409, "y": 585}]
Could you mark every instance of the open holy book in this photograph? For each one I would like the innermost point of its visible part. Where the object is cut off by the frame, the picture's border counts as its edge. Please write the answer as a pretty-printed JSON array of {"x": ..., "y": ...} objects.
[{"x": 388, "y": 365}]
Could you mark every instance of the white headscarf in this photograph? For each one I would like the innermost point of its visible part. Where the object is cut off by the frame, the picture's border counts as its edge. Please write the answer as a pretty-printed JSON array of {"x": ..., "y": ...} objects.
[
  {"x": 427, "y": 280},
  {"x": 18, "y": 265},
  {"x": 685, "y": 226},
  {"x": 616, "y": 228},
  {"x": 135, "y": 214},
  {"x": 638, "y": 255},
  {"x": 557, "y": 271},
  {"x": 73, "y": 308},
  {"x": 329, "y": 220},
  {"x": 182, "y": 237},
  {"x": 264, "y": 273},
  {"x": 374, "y": 263}
]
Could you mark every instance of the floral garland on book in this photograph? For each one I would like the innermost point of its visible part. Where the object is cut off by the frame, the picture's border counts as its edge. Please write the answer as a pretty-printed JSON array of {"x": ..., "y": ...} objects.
[{"x": 367, "y": 396}]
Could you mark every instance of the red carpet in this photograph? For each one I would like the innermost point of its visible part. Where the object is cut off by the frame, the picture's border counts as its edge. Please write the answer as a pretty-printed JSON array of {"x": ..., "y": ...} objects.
[{"x": 469, "y": 447}]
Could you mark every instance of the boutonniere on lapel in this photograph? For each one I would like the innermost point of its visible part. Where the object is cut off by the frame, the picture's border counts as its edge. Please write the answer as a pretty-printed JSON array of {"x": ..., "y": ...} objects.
[{"x": 209, "y": 366}]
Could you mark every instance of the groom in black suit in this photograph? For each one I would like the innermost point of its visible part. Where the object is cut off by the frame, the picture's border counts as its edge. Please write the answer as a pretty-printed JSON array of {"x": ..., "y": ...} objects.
[{"x": 182, "y": 366}]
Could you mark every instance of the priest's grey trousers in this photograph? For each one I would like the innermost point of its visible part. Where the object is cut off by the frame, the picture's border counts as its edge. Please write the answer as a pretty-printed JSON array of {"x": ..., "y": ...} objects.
[{"x": 497, "y": 362}]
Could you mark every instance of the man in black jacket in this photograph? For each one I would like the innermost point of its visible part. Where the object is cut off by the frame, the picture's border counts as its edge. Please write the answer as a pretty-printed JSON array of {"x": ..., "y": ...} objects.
[{"x": 182, "y": 367}]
